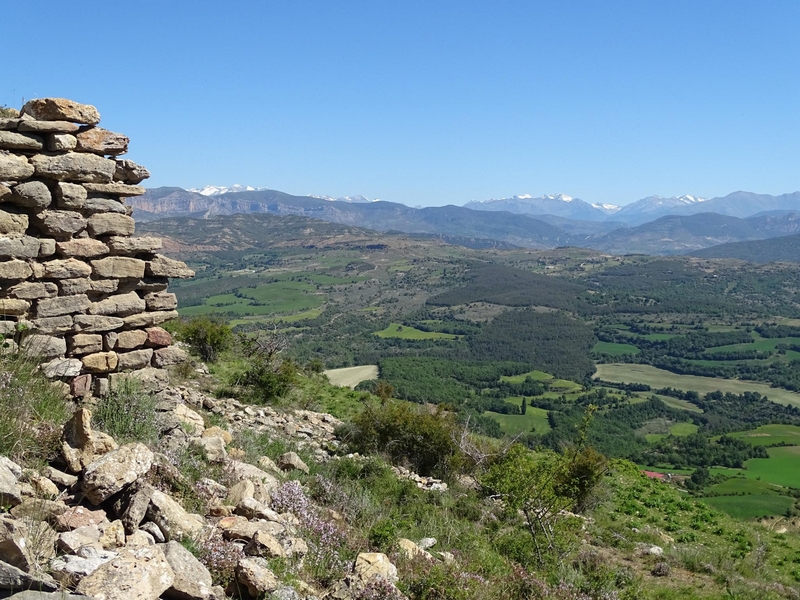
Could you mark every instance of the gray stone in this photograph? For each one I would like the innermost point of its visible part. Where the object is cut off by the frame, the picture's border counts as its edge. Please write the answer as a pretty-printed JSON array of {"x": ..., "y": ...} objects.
[
  {"x": 83, "y": 248},
  {"x": 110, "y": 340},
  {"x": 172, "y": 519},
  {"x": 255, "y": 575},
  {"x": 128, "y": 340},
  {"x": 24, "y": 542},
  {"x": 212, "y": 447},
  {"x": 12, "y": 306},
  {"x": 111, "y": 224},
  {"x": 119, "y": 267},
  {"x": 43, "y": 346},
  {"x": 150, "y": 379},
  {"x": 59, "y": 477},
  {"x": 95, "y": 204},
  {"x": 165, "y": 357},
  {"x": 13, "y": 578},
  {"x": 128, "y": 245},
  {"x": 47, "y": 247},
  {"x": 160, "y": 301},
  {"x": 9, "y": 124},
  {"x": 15, "y": 245},
  {"x": 12, "y": 222},
  {"x": 15, "y": 269},
  {"x": 77, "y": 167},
  {"x": 30, "y": 290},
  {"x": 31, "y": 194},
  {"x": 57, "y": 142},
  {"x": 70, "y": 195},
  {"x": 121, "y": 305},
  {"x": 66, "y": 269},
  {"x": 62, "y": 367},
  {"x": 60, "y": 223},
  {"x": 62, "y": 305},
  {"x": 102, "y": 141},
  {"x": 131, "y": 507},
  {"x": 13, "y": 166},
  {"x": 19, "y": 141},
  {"x": 10, "y": 493},
  {"x": 53, "y": 325},
  {"x": 161, "y": 266},
  {"x": 115, "y": 189},
  {"x": 115, "y": 470},
  {"x": 129, "y": 172},
  {"x": 137, "y": 359},
  {"x": 70, "y": 569},
  {"x": 85, "y": 343},
  {"x": 290, "y": 461},
  {"x": 150, "y": 319},
  {"x": 192, "y": 579},
  {"x": 80, "y": 445},
  {"x": 94, "y": 323},
  {"x": 47, "y": 126},
  {"x": 36, "y": 595},
  {"x": 370, "y": 565},
  {"x": 136, "y": 574},
  {"x": 61, "y": 109}
]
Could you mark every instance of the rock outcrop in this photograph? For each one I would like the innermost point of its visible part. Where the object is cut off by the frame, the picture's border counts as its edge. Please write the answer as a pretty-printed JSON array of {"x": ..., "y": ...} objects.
[{"x": 79, "y": 292}]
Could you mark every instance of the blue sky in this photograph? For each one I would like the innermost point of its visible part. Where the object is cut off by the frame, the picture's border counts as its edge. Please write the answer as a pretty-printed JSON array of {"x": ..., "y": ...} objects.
[{"x": 431, "y": 102}]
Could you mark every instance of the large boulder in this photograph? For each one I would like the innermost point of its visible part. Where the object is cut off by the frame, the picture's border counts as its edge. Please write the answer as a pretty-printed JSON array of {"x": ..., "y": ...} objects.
[
  {"x": 114, "y": 471},
  {"x": 192, "y": 579},
  {"x": 75, "y": 167},
  {"x": 255, "y": 575},
  {"x": 172, "y": 519},
  {"x": 370, "y": 565},
  {"x": 13, "y": 578},
  {"x": 61, "y": 109},
  {"x": 135, "y": 574}
]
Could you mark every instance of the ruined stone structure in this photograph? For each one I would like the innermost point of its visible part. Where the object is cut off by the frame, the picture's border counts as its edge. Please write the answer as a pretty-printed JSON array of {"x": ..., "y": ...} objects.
[{"x": 77, "y": 290}]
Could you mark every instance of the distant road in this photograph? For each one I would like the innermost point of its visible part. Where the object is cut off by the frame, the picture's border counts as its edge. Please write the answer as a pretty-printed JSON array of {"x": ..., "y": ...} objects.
[{"x": 352, "y": 376}]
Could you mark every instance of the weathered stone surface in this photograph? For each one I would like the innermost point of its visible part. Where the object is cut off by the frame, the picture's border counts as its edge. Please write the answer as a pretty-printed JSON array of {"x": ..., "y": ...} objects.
[
  {"x": 77, "y": 167},
  {"x": 63, "y": 305},
  {"x": 24, "y": 542},
  {"x": 129, "y": 172},
  {"x": 15, "y": 269},
  {"x": 102, "y": 141},
  {"x": 135, "y": 574},
  {"x": 59, "y": 477},
  {"x": 15, "y": 245},
  {"x": 137, "y": 359},
  {"x": 100, "y": 362},
  {"x": 57, "y": 142},
  {"x": 94, "y": 323},
  {"x": 70, "y": 569},
  {"x": 39, "y": 509},
  {"x": 43, "y": 346},
  {"x": 79, "y": 517},
  {"x": 10, "y": 140},
  {"x": 153, "y": 284},
  {"x": 115, "y": 470},
  {"x": 31, "y": 194},
  {"x": 12, "y": 306},
  {"x": 119, "y": 267},
  {"x": 158, "y": 337},
  {"x": 161, "y": 266},
  {"x": 81, "y": 386},
  {"x": 218, "y": 432},
  {"x": 111, "y": 224},
  {"x": 110, "y": 340},
  {"x": 127, "y": 245},
  {"x": 80, "y": 286},
  {"x": 53, "y": 325},
  {"x": 171, "y": 518},
  {"x": 160, "y": 300},
  {"x": 66, "y": 269},
  {"x": 30, "y": 290},
  {"x": 151, "y": 318},
  {"x": 255, "y": 575},
  {"x": 192, "y": 579},
  {"x": 83, "y": 248},
  {"x": 243, "y": 470},
  {"x": 266, "y": 545},
  {"x": 290, "y": 461},
  {"x": 164, "y": 357},
  {"x": 13, "y": 166},
  {"x": 192, "y": 421},
  {"x": 70, "y": 542},
  {"x": 9, "y": 123},
  {"x": 10, "y": 493},
  {"x": 61, "y": 109},
  {"x": 12, "y": 222},
  {"x": 375, "y": 564},
  {"x": 60, "y": 223},
  {"x": 70, "y": 195},
  {"x": 47, "y": 247},
  {"x": 80, "y": 445},
  {"x": 85, "y": 343},
  {"x": 13, "y": 578},
  {"x": 62, "y": 367},
  {"x": 47, "y": 126},
  {"x": 128, "y": 340},
  {"x": 95, "y": 204},
  {"x": 212, "y": 447},
  {"x": 5, "y": 192},
  {"x": 150, "y": 379},
  {"x": 131, "y": 506},
  {"x": 115, "y": 189},
  {"x": 121, "y": 305}
]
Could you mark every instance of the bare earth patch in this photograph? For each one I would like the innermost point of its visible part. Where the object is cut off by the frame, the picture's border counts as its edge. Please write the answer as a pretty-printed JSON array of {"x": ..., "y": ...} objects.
[{"x": 352, "y": 376}]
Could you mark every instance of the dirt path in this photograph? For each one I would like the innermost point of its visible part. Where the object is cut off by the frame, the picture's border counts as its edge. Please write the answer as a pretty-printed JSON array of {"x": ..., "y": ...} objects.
[{"x": 352, "y": 376}]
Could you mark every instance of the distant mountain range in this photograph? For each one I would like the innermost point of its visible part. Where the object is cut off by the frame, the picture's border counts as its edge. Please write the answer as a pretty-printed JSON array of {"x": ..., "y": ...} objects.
[
  {"x": 652, "y": 225},
  {"x": 784, "y": 249}
]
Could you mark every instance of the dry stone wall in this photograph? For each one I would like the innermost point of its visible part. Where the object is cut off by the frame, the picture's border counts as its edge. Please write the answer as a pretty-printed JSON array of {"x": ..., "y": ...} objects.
[{"x": 78, "y": 291}]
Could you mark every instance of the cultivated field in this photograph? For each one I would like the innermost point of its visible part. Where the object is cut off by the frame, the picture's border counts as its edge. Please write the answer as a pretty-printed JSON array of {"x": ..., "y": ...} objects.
[
  {"x": 352, "y": 376},
  {"x": 658, "y": 378},
  {"x": 404, "y": 332}
]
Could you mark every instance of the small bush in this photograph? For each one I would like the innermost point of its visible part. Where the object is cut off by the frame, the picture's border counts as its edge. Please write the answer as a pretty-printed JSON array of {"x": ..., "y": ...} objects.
[
  {"x": 383, "y": 534},
  {"x": 128, "y": 413},
  {"x": 206, "y": 336}
]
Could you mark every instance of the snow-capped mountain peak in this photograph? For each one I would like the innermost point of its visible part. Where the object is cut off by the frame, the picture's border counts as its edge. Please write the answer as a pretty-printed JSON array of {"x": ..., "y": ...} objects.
[
  {"x": 352, "y": 199},
  {"x": 217, "y": 190},
  {"x": 606, "y": 208},
  {"x": 562, "y": 197}
]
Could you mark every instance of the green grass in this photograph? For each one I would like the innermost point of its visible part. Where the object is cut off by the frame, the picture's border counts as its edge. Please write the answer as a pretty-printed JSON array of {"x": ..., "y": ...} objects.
[
  {"x": 533, "y": 419},
  {"x": 676, "y": 429},
  {"x": 266, "y": 299},
  {"x": 751, "y": 507},
  {"x": 762, "y": 344},
  {"x": 677, "y": 403},
  {"x": 742, "y": 485},
  {"x": 395, "y": 330},
  {"x": 658, "y": 378},
  {"x": 769, "y": 435},
  {"x": 614, "y": 349},
  {"x": 535, "y": 375},
  {"x": 780, "y": 468}
]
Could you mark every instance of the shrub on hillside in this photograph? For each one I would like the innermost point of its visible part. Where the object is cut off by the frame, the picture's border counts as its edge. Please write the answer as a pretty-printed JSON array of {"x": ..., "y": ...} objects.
[
  {"x": 128, "y": 413},
  {"x": 206, "y": 336}
]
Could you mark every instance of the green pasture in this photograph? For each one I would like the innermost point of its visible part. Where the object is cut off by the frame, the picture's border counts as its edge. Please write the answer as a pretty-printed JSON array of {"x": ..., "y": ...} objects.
[
  {"x": 614, "y": 349},
  {"x": 770, "y": 435},
  {"x": 752, "y": 506},
  {"x": 265, "y": 299},
  {"x": 678, "y": 403},
  {"x": 758, "y": 343},
  {"x": 658, "y": 378},
  {"x": 742, "y": 485},
  {"x": 780, "y": 468},
  {"x": 534, "y": 419},
  {"x": 404, "y": 332},
  {"x": 535, "y": 375},
  {"x": 676, "y": 429}
]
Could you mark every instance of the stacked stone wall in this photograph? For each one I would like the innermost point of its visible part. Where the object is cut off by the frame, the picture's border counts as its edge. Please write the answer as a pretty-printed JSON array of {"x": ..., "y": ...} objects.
[{"x": 78, "y": 291}]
